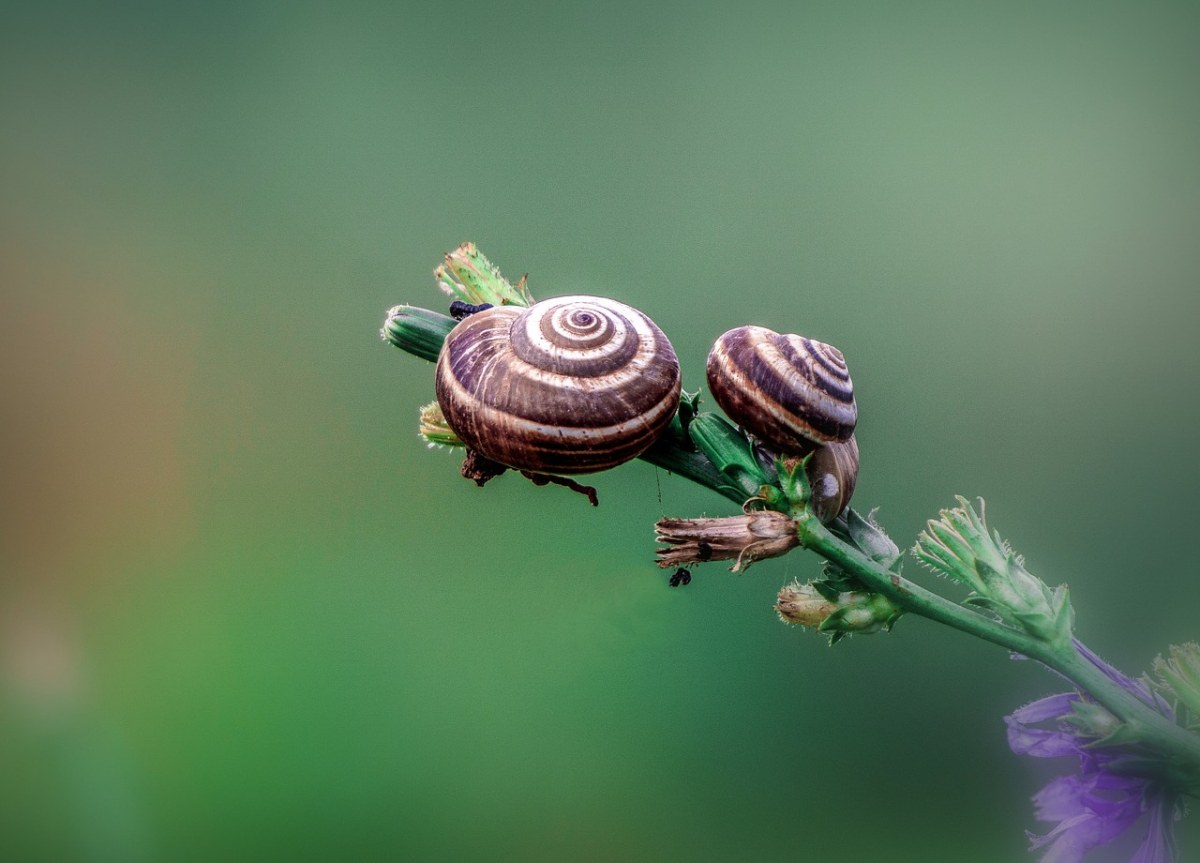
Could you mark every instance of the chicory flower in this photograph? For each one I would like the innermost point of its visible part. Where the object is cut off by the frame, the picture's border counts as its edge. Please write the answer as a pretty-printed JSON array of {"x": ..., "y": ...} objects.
[{"x": 1109, "y": 794}]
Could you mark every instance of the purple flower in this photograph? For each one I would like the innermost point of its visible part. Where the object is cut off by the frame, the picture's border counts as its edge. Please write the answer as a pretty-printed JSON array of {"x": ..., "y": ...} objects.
[{"x": 1100, "y": 802}]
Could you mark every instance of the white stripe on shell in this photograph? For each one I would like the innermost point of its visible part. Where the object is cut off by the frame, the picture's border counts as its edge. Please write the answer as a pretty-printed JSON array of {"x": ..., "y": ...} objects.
[
  {"x": 560, "y": 305},
  {"x": 769, "y": 353},
  {"x": 486, "y": 416},
  {"x": 645, "y": 332}
]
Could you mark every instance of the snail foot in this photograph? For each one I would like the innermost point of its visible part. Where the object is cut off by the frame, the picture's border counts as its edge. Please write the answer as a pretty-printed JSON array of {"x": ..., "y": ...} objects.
[{"x": 480, "y": 468}]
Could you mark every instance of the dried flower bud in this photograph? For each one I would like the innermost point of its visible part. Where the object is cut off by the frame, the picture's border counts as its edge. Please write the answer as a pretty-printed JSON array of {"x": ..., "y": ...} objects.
[
  {"x": 819, "y": 605},
  {"x": 802, "y": 604},
  {"x": 742, "y": 538}
]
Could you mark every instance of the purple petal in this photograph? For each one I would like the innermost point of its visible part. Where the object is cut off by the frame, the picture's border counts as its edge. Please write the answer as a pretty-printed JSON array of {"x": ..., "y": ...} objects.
[
  {"x": 1024, "y": 739},
  {"x": 1050, "y": 707},
  {"x": 1101, "y": 794},
  {"x": 1125, "y": 790},
  {"x": 1133, "y": 687},
  {"x": 1065, "y": 845},
  {"x": 1111, "y": 673},
  {"x": 1091, "y": 810},
  {"x": 1062, "y": 799},
  {"x": 1159, "y": 844},
  {"x": 1041, "y": 743},
  {"x": 1070, "y": 840},
  {"x": 1095, "y": 805}
]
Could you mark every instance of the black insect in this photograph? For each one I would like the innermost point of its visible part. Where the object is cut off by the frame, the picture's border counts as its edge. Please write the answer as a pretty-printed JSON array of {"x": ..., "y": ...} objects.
[
  {"x": 680, "y": 578},
  {"x": 703, "y": 551},
  {"x": 460, "y": 310}
]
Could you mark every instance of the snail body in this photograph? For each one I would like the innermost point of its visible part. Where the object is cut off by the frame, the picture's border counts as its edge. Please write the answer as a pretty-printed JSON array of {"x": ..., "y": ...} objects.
[
  {"x": 795, "y": 395},
  {"x": 832, "y": 472},
  {"x": 570, "y": 385}
]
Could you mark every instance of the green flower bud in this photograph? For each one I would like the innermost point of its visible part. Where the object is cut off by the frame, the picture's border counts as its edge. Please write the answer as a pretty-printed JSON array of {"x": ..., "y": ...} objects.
[
  {"x": 1092, "y": 720},
  {"x": 434, "y": 428},
  {"x": 469, "y": 276},
  {"x": 1179, "y": 678},
  {"x": 959, "y": 545},
  {"x": 420, "y": 332}
]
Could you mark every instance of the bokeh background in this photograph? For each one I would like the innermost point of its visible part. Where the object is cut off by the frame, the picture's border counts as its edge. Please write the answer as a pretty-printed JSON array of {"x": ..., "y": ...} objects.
[{"x": 246, "y": 615}]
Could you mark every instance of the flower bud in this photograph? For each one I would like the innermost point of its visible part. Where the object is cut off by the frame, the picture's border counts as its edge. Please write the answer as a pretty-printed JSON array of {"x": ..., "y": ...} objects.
[
  {"x": 469, "y": 276},
  {"x": 959, "y": 545},
  {"x": 742, "y": 538},
  {"x": 1179, "y": 676},
  {"x": 434, "y": 428},
  {"x": 420, "y": 332},
  {"x": 820, "y": 606},
  {"x": 803, "y": 604}
]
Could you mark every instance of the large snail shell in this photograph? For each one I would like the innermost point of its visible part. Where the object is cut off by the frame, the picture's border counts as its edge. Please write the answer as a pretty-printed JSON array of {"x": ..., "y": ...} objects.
[
  {"x": 832, "y": 472},
  {"x": 569, "y": 385},
  {"x": 791, "y": 392}
]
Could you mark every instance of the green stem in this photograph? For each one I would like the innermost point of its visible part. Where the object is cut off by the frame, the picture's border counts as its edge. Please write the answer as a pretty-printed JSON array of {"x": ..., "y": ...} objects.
[
  {"x": 1143, "y": 723},
  {"x": 669, "y": 455}
]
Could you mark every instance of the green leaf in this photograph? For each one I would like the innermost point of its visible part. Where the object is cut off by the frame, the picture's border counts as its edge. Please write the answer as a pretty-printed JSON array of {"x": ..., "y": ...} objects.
[
  {"x": 979, "y": 601},
  {"x": 866, "y": 534},
  {"x": 728, "y": 450},
  {"x": 792, "y": 476}
]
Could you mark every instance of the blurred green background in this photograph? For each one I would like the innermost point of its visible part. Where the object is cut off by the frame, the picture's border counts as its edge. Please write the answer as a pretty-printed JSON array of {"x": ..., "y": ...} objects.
[{"x": 246, "y": 615}]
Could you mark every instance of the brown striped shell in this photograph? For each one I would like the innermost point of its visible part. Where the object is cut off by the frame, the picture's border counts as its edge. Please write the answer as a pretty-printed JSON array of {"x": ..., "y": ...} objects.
[
  {"x": 791, "y": 392},
  {"x": 570, "y": 385}
]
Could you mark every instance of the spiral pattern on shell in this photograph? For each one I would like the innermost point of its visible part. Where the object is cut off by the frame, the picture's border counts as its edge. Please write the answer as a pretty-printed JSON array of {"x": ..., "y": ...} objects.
[
  {"x": 569, "y": 385},
  {"x": 791, "y": 392}
]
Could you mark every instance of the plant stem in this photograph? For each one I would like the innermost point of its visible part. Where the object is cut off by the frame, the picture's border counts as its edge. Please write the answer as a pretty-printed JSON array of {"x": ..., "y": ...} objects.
[
  {"x": 1145, "y": 723},
  {"x": 668, "y": 455}
]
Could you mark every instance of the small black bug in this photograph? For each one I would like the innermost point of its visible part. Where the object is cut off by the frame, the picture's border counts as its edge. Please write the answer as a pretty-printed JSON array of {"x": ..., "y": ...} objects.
[
  {"x": 460, "y": 310},
  {"x": 680, "y": 577}
]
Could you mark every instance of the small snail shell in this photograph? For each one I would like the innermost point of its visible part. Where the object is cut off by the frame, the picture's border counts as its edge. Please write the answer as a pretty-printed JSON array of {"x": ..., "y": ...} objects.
[
  {"x": 832, "y": 473},
  {"x": 791, "y": 392},
  {"x": 569, "y": 385}
]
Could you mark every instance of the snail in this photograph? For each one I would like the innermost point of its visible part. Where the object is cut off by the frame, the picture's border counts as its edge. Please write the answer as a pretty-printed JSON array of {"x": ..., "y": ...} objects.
[
  {"x": 570, "y": 385},
  {"x": 795, "y": 395}
]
